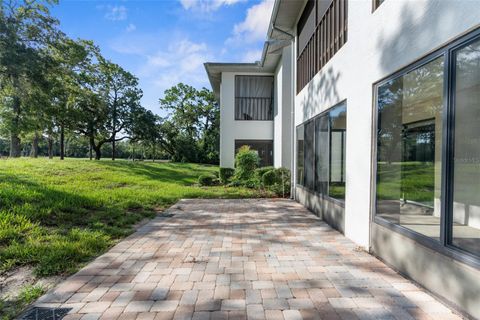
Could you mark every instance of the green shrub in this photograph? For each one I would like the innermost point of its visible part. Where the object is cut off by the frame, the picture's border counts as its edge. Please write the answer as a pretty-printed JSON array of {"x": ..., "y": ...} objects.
[
  {"x": 246, "y": 161},
  {"x": 206, "y": 180},
  {"x": 277, "y": 181},
  {"x": 269, "y": 178},
  {"x": 225, "y": 175},
  {"x": 261, "y": 171}
]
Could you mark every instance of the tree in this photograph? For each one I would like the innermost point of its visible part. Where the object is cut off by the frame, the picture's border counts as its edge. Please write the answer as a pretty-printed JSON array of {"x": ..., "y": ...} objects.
[
  {"x": 190, "y": 132},
  {"x": 26, "y": 27},
  {"x": 144, "y": 129},
  {"x": 122, "y": 96},
  {"x": 210, "y": 116},
  {"x": 89, "y": 106},
  {"x": 106, "y": 102},
  {"x": 69, "y": 57}
]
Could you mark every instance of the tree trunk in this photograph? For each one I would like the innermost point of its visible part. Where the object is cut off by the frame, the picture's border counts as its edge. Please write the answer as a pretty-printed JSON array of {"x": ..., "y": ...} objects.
[
  {"x": 50, "y": 147},
  {"x": 34, "y": 151},
  {"x": 91, "y": 151},
  {"x": 114, "y": 122},
  {"x": 62, "y": 142},
  {"x": 96, "y": 147},
  {"x": 15, "y": 141},
  {"x": 98, "y": 152},
  {"x": 15, "y": 151},
  {"x": 113, "y": 147}
]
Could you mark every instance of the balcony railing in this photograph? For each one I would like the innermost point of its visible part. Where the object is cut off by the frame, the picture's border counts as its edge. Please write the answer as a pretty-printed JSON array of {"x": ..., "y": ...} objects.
[{"x": 329, "y": 36}]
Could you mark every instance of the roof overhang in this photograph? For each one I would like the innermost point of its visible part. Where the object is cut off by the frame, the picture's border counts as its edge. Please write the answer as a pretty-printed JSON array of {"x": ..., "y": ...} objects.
[
  {"x": 281, "y": 29},
  {"x": 215, "y": 69}
]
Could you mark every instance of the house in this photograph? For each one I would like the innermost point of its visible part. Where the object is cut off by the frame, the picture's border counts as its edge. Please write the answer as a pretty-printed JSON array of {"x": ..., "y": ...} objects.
[{"x": 376, "y": 106}]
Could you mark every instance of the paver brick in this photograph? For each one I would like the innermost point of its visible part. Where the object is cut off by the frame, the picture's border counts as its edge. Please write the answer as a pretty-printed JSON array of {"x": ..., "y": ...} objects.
[
  {"x": 239, "y": 259},
  {"x": 139, "y": 306}
]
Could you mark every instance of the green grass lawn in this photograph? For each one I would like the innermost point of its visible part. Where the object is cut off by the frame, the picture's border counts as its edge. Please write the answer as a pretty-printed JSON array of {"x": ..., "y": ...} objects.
[{"x": 56, "y": 215}]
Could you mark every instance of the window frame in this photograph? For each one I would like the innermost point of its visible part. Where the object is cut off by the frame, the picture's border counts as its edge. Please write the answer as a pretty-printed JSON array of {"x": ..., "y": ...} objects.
[
  {"x": 376, "y": 4},
  {"x": 272, "y": 112},
  {"x": 323, "y": 196},
  {"x": 443, "y": 246}
]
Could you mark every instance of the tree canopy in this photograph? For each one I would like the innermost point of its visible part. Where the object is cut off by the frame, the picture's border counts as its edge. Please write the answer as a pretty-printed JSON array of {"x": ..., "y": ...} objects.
[{"x": 61, "y": 96}]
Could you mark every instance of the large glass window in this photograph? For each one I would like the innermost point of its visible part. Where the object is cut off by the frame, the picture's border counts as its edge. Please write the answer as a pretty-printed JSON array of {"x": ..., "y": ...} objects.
[
  {"x": 300, "y": 155},
  {"x": 428, "y": 149},
  {"x": 321, "y": 154},
  {"x": 253, "y": 98},
  {"x": 324, "y": 153},
  {"x": 338, "y": 130},
  {"x": 466, "y": 166},
  {"x": 309, "y": 151},
  {"x": 409, "y": 149}
]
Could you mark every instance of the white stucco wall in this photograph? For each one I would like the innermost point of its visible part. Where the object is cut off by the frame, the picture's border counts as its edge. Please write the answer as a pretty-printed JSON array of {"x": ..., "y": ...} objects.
[
  {"x": 230, "y": 129},
  {"x": 283, "y": 108},
  {"x": 379, "y": 43},
  {"x": 277, "y": 118}
]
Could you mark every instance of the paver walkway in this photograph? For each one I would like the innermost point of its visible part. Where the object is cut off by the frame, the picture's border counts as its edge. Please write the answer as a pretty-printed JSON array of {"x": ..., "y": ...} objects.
[{"x": 238, "y": 259}]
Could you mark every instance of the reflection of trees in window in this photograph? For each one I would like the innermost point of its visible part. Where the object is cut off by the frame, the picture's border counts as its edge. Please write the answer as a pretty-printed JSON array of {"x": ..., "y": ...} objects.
[
  {"x": 409, "y": 145},
  {"x": 466, "y": 173},
  {"x": 419, "y": 142},
  {"x": 329, "y": 149}
]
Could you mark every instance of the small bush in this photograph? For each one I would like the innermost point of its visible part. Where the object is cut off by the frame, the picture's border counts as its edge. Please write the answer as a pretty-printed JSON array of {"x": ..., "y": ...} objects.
[
  {"x": 269, "y": 178},
  {"x": 225, "y": 175},
  {"x": 246, "y": 161},
  {"x": 261, "y": 171},
  {"x": 206, "y": 180},
  {"x": 277, "y": 181}
]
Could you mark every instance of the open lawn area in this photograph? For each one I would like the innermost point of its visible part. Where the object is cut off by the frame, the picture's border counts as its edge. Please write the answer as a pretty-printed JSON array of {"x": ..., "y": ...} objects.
[{"x": 56, "y": 215}]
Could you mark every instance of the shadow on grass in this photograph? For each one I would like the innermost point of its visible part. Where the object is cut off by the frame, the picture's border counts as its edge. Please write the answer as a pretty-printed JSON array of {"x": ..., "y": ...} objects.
[{"x": 185, "y": 174}]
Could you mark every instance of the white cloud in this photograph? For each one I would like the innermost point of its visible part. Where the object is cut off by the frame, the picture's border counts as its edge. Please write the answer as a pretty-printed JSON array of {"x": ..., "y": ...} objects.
[
  {"x": 182, "y": 61},
  {"x": 163, "y": 64},
  {"x": 131, "y": 27},
  {"x": 255, "y": 26},
  {"x": 252, "y": 56},
  {"x": 116, "y": 13},
  {"x": 207, "y": 5}
]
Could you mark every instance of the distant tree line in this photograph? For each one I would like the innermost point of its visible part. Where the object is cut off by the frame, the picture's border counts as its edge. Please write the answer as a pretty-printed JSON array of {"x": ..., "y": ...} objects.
[{"x": 61, "y": 97}]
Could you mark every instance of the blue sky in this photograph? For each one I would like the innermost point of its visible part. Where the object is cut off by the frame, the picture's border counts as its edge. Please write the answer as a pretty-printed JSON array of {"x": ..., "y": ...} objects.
[{"x": 164, "y": 42}]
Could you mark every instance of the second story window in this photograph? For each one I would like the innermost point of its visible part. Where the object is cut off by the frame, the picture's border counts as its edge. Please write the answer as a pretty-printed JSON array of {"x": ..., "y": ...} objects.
[{"x": 253, "y": 98}]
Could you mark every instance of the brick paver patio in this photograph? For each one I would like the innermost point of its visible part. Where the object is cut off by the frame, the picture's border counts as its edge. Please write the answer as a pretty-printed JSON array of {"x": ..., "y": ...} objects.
[{"x": 240, "y": 259}]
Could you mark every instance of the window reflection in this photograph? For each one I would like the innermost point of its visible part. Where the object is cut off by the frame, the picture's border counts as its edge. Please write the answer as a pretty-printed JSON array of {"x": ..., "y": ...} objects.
[
  {"x": 409, "y": 149},
  {"x": 300, "y": 155},
  {"x": 338, "y": 130},
  {"x": 324, "y": 153},
  {"x": 466, "y": 190}
]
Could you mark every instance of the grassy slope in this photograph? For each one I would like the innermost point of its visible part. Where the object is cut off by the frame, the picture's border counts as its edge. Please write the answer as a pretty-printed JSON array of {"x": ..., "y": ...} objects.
[{"x": 56, "y": 215}]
